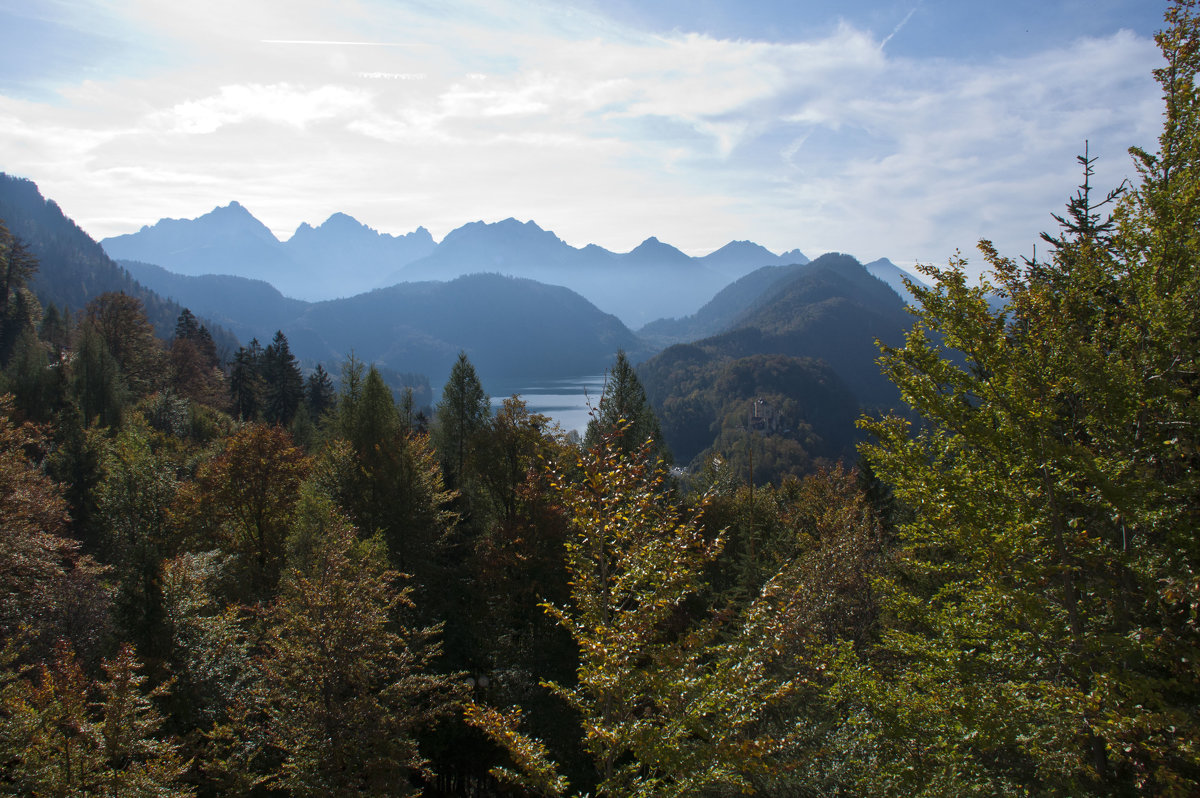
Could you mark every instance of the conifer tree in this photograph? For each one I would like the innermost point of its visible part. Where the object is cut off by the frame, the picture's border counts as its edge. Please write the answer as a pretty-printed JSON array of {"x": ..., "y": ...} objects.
[
  {"x": 319, "y": 393},
  {"x": 1046, "y": 592},
  {"x": 96, "y": 382},
  {"x": 386, "y": 479},
  {"x": 246, "y": 385},
  {"x": 624, "y": 412},
  {"x": 461, "y": 415},
  {"x": 283, "y": 385},
  {"x": 18, "y": 308}
]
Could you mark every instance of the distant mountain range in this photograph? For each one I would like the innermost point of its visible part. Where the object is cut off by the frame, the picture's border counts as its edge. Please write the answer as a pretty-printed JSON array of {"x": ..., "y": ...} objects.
[
  {"x": 749, "y": 329},
  {"x": 343, "y": 257},
  {"x": 510, "y": 327},
  {"x": 340, "y": 258}
]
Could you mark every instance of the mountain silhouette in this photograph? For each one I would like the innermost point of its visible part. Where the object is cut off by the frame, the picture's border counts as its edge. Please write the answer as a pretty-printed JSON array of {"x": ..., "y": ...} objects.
[{"x": 342, "y": 257}]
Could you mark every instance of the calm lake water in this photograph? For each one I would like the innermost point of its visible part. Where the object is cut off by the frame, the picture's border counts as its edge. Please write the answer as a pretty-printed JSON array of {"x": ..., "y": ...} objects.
[{"x": 564, "y": 400}]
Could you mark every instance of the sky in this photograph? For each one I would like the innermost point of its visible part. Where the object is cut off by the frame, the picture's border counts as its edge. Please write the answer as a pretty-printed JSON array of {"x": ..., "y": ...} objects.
[{"x": 906, "y": 129}]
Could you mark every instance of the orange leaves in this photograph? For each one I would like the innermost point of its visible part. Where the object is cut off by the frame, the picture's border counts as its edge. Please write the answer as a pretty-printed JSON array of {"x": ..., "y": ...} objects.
[{"x": 244, "y": 499}]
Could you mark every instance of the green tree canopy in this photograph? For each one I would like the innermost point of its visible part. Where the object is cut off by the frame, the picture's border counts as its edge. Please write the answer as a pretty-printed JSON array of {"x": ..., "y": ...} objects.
[{"x": 1046, "y": 597}]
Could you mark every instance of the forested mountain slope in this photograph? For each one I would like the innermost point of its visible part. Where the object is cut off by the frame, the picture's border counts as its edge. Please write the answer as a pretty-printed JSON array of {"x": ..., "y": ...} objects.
[
  {"x": 802, "y": 339},
  {"x": 72, "y": 268},
  {"x": 722, "y": 310},
  {"x": 833, "y": 309},
  {"x": 511, "y": 327}
]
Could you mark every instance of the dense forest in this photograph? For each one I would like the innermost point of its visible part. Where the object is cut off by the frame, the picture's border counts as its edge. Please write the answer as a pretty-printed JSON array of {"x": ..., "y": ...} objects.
[{"x": 220, "y": 576}]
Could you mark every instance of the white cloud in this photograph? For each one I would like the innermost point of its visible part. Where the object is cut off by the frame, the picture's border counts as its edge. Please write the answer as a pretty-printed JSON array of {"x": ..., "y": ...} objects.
[
  {"x": 279, "y": 103},
  {"x": 487, "y": 110}
]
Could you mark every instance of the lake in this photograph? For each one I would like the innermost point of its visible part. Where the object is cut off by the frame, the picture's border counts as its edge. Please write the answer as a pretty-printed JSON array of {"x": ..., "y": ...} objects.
[{"x": 564, "y": 400}]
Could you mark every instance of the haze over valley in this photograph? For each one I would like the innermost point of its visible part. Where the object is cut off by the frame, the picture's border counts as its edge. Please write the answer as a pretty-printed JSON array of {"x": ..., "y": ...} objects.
[{"x": 537, "y": 314}]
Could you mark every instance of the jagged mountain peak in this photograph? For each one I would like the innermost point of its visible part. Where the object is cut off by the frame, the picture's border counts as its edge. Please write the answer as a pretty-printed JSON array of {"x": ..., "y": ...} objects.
[
  {"x": 231, "y": 219},
  {"x": 233, "y": 211},
  {"x": 508, "y": 232},
  {"x": 652, "y": 247},
  {"x": 793, "y": 256},
  {"x": 894, "y": 276},
  {"x": 740, "y": 247}
]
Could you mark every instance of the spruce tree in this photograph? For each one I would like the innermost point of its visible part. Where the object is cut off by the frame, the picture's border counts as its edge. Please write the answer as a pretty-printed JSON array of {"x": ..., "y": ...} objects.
[
  {"x": 283, "y": 383},
  {"x": 624, "y": 413},
  {"x": 319, "y": 393},
  {"x": 17, "y": 266},
  {"x": 462, "y": 414},
  {"x": 246, "y": 386}
]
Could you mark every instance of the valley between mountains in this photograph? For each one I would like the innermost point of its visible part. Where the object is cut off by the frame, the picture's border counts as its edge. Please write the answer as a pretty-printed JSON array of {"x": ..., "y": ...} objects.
[{"x": 714, "y": 335}]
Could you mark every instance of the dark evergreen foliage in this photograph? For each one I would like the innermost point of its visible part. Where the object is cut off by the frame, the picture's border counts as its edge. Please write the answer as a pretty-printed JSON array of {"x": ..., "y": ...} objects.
[
  {"x": 319, "y": 392},
  {"x": 283, "y": 384},
  {"x": 246, "y": 385},
  {"x": 462, "y": 414}
]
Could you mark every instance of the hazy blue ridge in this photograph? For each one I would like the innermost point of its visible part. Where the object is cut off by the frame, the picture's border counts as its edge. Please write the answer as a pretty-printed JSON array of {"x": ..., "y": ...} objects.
[{"x": 343, "y": 257}]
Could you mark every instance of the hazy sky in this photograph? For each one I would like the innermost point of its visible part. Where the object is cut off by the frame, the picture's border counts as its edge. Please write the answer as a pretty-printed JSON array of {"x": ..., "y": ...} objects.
[{"x": 879, "y": 128}]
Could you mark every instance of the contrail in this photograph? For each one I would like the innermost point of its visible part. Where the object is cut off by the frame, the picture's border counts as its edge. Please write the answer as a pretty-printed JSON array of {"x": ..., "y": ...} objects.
[
  {"x": 903, "y": 22},
  {"x": 327, "y": 41}
]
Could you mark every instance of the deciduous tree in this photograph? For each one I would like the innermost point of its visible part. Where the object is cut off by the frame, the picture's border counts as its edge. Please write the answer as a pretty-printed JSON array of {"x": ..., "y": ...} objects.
[
  {"x": 242, "y": 501},
  {"x": 348, "y": 683},
  {"x": 669, "y": 704}
]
